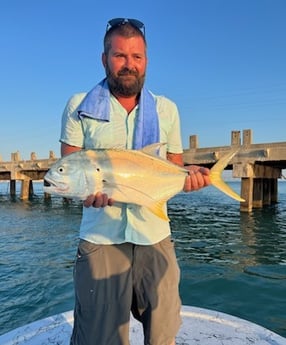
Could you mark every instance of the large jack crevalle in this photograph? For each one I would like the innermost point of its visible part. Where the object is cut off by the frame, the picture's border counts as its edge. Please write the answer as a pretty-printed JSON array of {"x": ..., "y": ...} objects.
[{"x": 127, "y": 176}]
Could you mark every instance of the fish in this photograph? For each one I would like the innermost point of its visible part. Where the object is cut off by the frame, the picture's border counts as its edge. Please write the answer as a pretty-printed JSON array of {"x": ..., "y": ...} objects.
[{"x": 138, "y": 177}]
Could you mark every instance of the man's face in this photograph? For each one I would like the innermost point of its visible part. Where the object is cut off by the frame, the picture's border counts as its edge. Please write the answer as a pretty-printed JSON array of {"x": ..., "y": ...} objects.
[{"x": 125, "y": 65}]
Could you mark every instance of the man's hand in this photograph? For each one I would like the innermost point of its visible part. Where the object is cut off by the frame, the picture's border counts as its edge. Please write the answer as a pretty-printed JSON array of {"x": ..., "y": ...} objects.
[
  {"x": 98, "y": 200},
  {"x": 198, "y": 178}
]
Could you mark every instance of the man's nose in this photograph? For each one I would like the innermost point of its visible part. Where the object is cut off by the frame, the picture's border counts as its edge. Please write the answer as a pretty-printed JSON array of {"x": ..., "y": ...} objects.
[{"x": 129, "y": 62}]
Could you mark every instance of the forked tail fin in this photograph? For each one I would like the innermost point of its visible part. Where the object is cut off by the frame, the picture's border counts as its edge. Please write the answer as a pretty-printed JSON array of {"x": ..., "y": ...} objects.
[{"x": 216, "y": 176}]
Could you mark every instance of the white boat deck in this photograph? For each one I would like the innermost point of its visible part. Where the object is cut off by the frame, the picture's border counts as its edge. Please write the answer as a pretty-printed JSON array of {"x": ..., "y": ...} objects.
[{"x": 200, "y": 326}]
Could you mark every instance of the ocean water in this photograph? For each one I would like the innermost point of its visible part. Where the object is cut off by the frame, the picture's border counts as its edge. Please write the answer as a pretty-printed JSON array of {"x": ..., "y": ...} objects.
[{"x": 230, "y": 261}]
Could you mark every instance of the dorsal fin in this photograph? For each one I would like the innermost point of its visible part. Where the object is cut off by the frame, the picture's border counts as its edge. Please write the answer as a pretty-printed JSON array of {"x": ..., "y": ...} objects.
[{"x": 153, "y": 149}]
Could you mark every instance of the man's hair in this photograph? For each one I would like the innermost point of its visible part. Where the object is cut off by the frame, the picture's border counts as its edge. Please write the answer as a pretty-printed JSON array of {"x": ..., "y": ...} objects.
[{"x": 126, "y": 30}]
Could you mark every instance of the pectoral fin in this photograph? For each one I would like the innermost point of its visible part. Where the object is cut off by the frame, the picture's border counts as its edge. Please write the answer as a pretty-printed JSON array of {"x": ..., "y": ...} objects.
[{"x": 216, "y": 176}]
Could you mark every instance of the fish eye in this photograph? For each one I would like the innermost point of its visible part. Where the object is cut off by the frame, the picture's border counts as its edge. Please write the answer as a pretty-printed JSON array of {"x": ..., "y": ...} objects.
[{"x": 61, "y": 169}]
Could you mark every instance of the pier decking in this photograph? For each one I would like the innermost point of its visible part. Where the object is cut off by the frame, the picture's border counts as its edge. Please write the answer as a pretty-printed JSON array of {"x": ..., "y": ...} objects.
[{"x": 259, "y": 166}]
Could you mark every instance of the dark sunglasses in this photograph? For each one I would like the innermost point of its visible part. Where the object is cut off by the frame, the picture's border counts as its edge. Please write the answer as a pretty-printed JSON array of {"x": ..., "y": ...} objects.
[{"x": 121, "y": 21}]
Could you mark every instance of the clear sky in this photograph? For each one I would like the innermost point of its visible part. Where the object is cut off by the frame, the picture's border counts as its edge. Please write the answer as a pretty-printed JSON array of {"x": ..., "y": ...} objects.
[{"x": 222, "y": 61}]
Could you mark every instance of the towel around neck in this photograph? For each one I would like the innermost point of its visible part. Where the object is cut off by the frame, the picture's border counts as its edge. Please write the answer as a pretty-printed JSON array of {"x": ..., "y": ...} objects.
[{"x": 96, "y": 105}]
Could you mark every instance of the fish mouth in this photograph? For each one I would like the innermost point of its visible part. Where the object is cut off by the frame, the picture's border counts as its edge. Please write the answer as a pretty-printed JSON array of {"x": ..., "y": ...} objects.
[{"x": 50, "y": 185}]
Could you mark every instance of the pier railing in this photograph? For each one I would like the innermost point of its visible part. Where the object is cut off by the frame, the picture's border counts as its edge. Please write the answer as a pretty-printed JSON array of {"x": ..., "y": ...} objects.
[{"x": 259, "y": 166}]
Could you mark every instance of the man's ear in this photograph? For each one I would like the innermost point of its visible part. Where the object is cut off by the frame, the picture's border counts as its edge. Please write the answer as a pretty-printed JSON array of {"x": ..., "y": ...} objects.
[{"x": 103, "y": 59}]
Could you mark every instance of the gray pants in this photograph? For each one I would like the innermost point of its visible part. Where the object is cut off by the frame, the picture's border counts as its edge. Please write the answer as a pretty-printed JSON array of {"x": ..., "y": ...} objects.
[{"x": 112, "y": 280}]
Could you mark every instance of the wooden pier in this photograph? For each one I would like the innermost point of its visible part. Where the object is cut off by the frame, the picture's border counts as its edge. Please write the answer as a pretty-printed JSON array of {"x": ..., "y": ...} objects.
[
  {"x": 25, "y": 171},
  {"x": 259, "y": 166}
]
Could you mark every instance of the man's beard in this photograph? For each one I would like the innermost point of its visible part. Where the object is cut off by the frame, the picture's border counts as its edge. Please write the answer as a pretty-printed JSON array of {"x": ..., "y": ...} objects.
[{"x": 126, "y": 83}]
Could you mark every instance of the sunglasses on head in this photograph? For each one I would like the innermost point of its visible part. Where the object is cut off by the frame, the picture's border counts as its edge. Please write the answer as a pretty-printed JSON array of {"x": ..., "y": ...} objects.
[{"x": 121, "y": 21}]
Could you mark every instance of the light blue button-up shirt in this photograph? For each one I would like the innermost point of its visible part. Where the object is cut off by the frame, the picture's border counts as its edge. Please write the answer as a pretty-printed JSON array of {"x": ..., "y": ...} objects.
[{"x": 121, "y": 222}]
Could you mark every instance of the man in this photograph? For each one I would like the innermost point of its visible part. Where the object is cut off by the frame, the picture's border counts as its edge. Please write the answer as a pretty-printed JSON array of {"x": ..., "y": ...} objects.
[{"x": 126, "y": 259}]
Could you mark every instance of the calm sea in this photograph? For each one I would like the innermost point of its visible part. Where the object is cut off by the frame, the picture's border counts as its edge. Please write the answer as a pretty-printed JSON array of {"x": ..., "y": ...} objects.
[{"x": 230, "y": 261}]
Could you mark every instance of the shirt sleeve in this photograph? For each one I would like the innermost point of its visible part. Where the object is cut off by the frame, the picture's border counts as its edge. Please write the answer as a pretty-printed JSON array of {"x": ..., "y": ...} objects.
[
  {"x": 71, "y": 129},
  {"x": 170, "y": 130}
]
